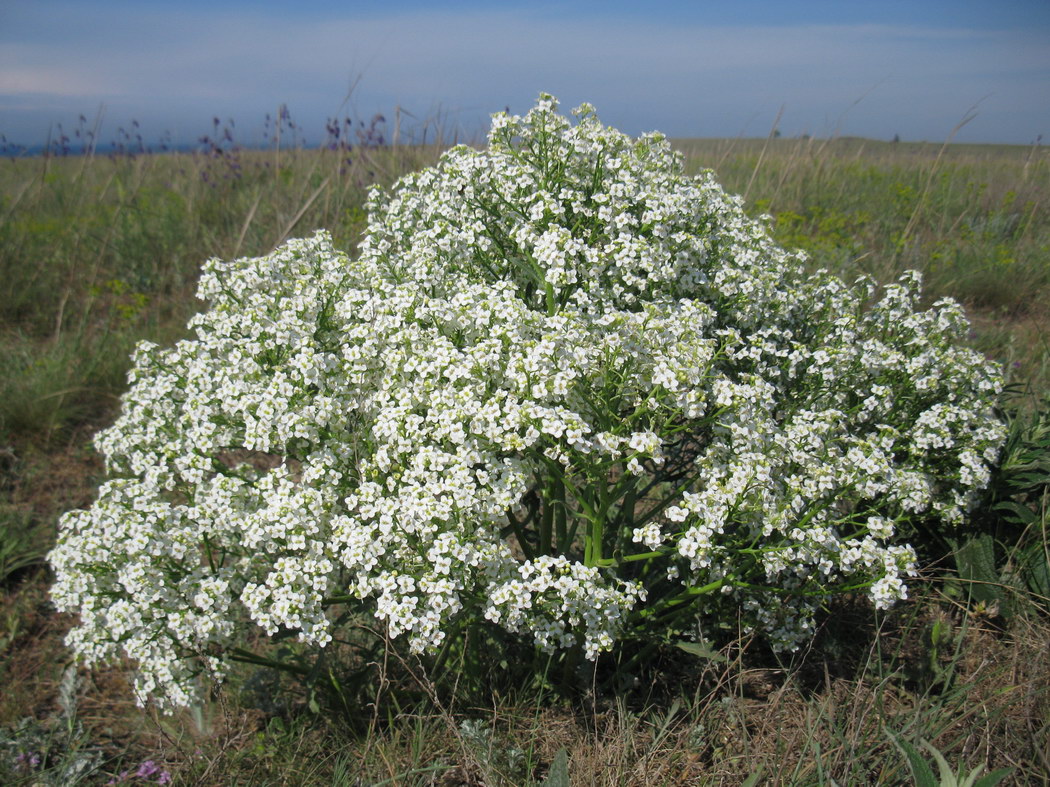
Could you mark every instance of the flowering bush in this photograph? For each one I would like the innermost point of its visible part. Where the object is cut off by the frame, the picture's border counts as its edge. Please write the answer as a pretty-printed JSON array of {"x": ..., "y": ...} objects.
[{"x": 564, "y": 388}]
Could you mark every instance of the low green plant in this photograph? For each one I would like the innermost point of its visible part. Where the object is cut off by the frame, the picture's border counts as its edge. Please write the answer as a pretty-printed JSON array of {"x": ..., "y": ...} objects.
[
  {"x": 20, "y": 546},
  {"x": 558, "y": 773},
  {"x": 53, "y": 752},
  {"x": 923, "y": 774},
  {"x": 1007, "y": 554},
  {"x": 500, "y": 761},
  {"x": 1021, "y": 499},
  {"x": 49, "y": 386}
]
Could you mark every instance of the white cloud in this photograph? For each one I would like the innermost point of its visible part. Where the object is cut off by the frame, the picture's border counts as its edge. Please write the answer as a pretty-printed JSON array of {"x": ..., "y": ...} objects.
[{"x": 47, "y": 81}]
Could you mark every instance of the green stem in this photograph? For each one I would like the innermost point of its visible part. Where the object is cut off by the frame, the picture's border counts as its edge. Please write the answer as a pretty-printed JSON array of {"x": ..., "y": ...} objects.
[
  {"x": 331, "y": 601},
  {"x": 658, "y": 509},
  {"x": 614, "y": 561},
  {"x": 547, "y": 519},
  {"x": 561, "y": 513},
  {"x": 675, "y": 603},
  {"x": 519, "y": 533},
  {"x": 247, "y": 657},
  {"x": 639, "y": 655},
  {"x": 446, "y": 647},
  {"x": 627, "y": 512},
  {"x": 594, "y": 543}
]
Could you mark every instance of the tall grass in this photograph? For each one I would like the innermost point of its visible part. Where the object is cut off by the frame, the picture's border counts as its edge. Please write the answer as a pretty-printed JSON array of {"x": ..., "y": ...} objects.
[{"x": 98, "y": 252}]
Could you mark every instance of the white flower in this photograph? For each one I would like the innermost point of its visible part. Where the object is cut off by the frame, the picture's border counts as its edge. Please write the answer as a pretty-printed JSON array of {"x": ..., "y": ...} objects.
[{"x": 562, "y": 333}]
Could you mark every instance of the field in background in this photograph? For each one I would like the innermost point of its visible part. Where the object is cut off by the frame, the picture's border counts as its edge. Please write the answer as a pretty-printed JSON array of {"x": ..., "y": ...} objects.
[{"x": 99, "y": 252}]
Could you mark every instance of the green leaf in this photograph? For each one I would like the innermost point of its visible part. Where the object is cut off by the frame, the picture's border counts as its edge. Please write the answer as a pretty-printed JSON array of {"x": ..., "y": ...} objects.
[
  {"x": 1035, "y": 569},
  {"x": 558, "y": 775},
  {"x": 993, "y": 778},
  {"x": 920, "y": 769},
  {"x": 1030, "y": 480},
  {"x": 948, "y": 776},
  {"x": 975, "y": 560},
  {"x": 1016, "y": 512},
  {"x": 700, "y": 650}
]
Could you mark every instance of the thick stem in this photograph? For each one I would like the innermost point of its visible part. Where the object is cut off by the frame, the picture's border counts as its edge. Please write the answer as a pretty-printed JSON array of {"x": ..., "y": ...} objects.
[
  {"x": 518, "y": 528},
  {"x": 547, "y": 519},
  {"x": 594, "y": 543},
  {"x": 247, "y": 657},
  {"x": 627, "y": 513},
  {"x": 561, "y": 512},
  {"x": 677, "y": 604},
  {"x": 446, "y": 648}
]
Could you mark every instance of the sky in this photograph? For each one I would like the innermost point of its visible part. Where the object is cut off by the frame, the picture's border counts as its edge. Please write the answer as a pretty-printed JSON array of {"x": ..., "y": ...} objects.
[{"x": 874, "y": 68}]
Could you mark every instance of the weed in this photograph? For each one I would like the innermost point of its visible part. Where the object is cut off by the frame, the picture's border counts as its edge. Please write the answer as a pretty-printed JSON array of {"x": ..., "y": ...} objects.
[
  {"x": 923, "y": 774},
  {"x": 55, "y": 752}
]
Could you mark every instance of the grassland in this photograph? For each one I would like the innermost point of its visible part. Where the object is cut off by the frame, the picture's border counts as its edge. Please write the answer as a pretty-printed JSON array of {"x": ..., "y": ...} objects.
[{"x": 97, "y": 253}]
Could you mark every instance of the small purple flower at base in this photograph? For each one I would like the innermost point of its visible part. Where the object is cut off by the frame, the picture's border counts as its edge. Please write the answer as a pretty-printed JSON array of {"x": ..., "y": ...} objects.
[
  {"x": 147, "y": 769},
  {"x": 28, "y": 760}
]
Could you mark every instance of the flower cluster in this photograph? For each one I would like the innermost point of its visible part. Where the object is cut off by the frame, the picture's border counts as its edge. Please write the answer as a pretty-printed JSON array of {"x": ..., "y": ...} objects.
[
  {"x": 148, "y": 772},
  {"x": 564, "y": 387}
]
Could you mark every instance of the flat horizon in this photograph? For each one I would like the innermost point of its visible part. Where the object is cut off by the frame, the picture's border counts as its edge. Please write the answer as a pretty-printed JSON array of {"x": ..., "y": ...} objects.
[{"x": 711, "y": 70}]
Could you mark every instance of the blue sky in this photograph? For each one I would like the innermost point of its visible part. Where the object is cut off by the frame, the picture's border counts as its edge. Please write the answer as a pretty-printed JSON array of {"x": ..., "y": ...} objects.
[{"x": 874, "y": 68}]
